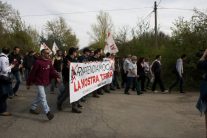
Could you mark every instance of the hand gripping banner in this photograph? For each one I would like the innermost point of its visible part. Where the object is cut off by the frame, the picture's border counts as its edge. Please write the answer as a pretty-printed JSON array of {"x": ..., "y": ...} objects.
[{"x": 88, "y": 77}]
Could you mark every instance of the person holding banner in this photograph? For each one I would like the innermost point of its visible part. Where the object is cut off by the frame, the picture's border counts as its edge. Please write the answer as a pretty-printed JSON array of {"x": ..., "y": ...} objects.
[
  {"x": 40, "y": 75},
  {"x": 97, "y": 57},
  {"x": 71, "y": 57}
]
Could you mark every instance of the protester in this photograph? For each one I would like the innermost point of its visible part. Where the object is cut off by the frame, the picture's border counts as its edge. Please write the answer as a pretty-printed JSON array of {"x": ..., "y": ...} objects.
[
  {"x": 178, "y": 71},
  {"x": 28, "y": 62},
  {"x": 126, "y": 63},
  {"x": 5, "y": 81},
  {"x": 147, "y": 72},
  {"x": 84, "y": 59},
  {"x": 71, "y": 57},
  {"x": 156, "y": 70},
  {"x": 40, "y": 75},
  {"x": 202, "y": 101},
  {"x": 57, "y": 64},
  {"x": 132, "y": 76},
  {"x": 141, "y": 72},
  {"x": 97, "y": 57},
  {"x": 15, "y": 58}
]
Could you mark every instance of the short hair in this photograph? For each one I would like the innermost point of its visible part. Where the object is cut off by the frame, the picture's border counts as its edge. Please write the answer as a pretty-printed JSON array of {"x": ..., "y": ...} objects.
[
  {"x": 108, "y": 54},
  {"x": 157, "y": 56},
  {"x": 16, "y": 47},
  {"x": 72, "y": 50},
  {"x": 5, "y": 50},
  {"x": 43, "y": 50},
  {"x": 183, "y": 56},
  {"x": 97, "y": 51}
]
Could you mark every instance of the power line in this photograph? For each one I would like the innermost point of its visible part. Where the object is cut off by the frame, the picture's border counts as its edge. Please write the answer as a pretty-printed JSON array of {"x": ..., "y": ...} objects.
[
  {"x": 84, "y": 12},
  {"x": 163, "y": 8}
]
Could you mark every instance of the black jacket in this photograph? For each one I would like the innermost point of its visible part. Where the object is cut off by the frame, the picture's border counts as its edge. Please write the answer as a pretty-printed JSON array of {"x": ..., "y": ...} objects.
[{"x": 12, "y": 58}]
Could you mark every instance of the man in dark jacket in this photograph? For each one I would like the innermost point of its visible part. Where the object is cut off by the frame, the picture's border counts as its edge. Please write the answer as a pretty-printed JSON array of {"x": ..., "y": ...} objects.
[
  {"x": 28, "y": 61},
  {"x": 156, "y": 70},
  {"x": 15, "y": 58},
  {"x": 71, "y": 57}
]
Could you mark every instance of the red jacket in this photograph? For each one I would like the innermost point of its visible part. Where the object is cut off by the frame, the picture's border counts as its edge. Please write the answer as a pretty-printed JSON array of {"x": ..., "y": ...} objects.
[{"x": 42, "y": 72}]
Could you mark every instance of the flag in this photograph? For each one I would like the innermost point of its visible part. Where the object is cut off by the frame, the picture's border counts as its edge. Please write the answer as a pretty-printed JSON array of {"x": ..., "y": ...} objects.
[
  {"x": 54, "y": 48},
  {"x": 44, "y": 46},
  {"x": 110, "y": 46}
]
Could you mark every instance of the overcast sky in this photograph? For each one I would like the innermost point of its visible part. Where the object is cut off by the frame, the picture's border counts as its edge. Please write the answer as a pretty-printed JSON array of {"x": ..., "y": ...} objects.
[{"x": 81, "y": 22}]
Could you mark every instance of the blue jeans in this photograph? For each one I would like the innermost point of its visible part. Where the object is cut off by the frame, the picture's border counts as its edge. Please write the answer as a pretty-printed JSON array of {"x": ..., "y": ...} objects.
[
  {"x": 17, "y": 77},
  {"x": 135, "y": 82},
  {"x": 5, "y": 89},
  {"x": 41, "y": 99}
]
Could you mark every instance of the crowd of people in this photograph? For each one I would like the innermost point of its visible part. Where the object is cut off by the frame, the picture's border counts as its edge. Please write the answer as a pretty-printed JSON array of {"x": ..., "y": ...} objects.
[{"x": 43, "y": 70}]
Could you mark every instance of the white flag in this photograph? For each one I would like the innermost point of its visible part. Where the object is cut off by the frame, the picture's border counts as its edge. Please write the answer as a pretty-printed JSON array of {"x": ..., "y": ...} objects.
[
  {"x": 54, "y": 48},
  {"x": 110, "y": 46},
  {"x": 44, "y": 46}
]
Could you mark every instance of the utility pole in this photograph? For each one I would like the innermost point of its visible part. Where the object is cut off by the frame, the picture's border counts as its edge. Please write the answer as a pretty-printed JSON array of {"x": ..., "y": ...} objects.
[{"x": 155, "y": 10}]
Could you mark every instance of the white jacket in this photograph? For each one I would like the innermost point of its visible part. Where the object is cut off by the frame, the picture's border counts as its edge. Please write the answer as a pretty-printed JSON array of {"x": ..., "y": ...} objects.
[{"x": 5, "y": 68}]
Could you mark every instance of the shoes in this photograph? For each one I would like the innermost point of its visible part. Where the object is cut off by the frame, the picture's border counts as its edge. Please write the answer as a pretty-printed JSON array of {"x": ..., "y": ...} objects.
[
  {"x": 80, "y": 106},
  {"x": 127, "y": 93},
  {"x": 155, "y": 91},
  {"x": 15, "y": 95},
  {"x": 164, "y": 92},
  {"x": 118, "y": 87},
  {"x": 50, "y": 116},
  {"x": 75, "y": 110},
  {"x": 139, "y": 93},
  {"x": 5, "y": 114},
  {"x": 112, "y": 89},
  {"x": 182, "y": 92},
  {"x": 36, "y": 112}
]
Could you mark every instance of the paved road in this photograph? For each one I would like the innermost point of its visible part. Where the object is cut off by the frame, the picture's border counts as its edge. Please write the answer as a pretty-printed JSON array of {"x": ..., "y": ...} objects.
[{"x": 113, "y": 115}]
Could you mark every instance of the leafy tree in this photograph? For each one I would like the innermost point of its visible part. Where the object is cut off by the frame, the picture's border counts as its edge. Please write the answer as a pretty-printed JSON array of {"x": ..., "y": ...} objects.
[
  {"x": 101, "y": 28},
  {"x": 58, "y": 31}
]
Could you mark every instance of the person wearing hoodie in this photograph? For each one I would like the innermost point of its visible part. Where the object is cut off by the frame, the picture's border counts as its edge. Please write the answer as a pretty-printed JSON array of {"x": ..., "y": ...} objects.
[
  {"x": 5, "y": 86},
  {"x": 41, "y": 74}
]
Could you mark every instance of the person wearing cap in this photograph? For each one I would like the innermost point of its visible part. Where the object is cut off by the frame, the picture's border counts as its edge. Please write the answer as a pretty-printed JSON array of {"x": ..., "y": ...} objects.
[
  {"x": 71, "y": 57},
  {"x": 132, "y": 76}
]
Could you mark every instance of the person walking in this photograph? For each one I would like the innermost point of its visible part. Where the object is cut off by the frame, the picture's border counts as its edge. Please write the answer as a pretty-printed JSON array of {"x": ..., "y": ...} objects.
[
  {"x": 132, "y": 77},
  {"x": 71, "y": 57},
  {"x": 178, "y": 70},
  {"x": 41, "y": 74},
  {"x": 156, "y": 70},
  {"x": 5, "y": 81},
  {"x": 15, "y": 58}
]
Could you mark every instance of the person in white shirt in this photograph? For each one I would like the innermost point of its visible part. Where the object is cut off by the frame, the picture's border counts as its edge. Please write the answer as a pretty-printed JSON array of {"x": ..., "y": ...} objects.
[
  {"x": 5, "y": 82},
  {"x": 125, "y": 69},
  {"x": 179, "y": 74},
  {"x": 132, "y": 76}
]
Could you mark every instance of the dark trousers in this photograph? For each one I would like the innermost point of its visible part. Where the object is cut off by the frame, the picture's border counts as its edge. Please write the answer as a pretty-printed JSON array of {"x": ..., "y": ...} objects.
[
  {"x": 17, "y": 77},
  {"x": 179, "y": 80},
  {"x": 147, "y": 79},
  {"x": 132, "y": 81},
  {"x": 142, "y": 80},
  {"x": 64, "y": 95},
  {"x": 159, "y": 81},
  {"x": 4, "y": 92},
  {"x": 115, "y": 79},
  {"x": 124, "y": 78}
]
